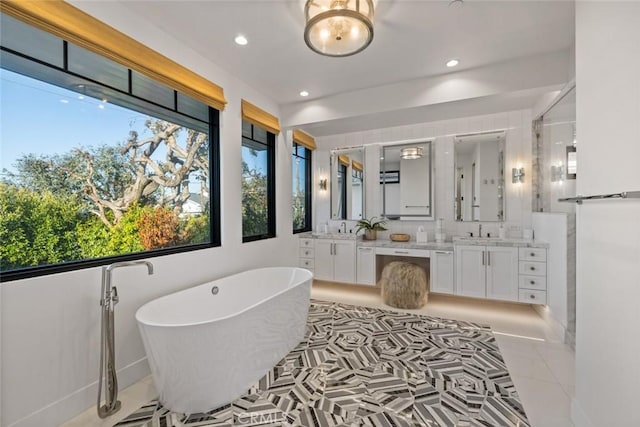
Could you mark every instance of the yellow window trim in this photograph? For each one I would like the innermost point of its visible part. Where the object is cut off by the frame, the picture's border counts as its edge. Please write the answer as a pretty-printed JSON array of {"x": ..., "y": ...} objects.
[
  {"x": 69, "y": 23},
  {"x": 304, "y": 139},
  {"x": 259, "y": 117}
]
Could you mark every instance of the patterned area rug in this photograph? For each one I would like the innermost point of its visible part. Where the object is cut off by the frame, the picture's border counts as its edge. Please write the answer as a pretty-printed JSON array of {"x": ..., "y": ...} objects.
[{"x": 361, "y": 366}]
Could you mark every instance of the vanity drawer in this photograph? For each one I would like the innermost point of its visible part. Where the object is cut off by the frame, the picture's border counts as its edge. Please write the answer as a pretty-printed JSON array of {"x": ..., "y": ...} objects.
[
  {"x": 306, "y": 243},
  {"x": 532, "y": 297},
  {"x": 533, "y": 254},
  {"x": 533, "y": 282},
  {"x": 533, "y": 268},
  {"x": 306, "y": 253},
  {"x": 420, "y": 253},
  {"x": 306, "y": 263}
]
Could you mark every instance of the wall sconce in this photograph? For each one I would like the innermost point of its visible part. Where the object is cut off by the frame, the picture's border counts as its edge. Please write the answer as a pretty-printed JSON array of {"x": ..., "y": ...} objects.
[
  {"x": 517, "y": 175},
  {"x": 557, "y": 173},
  {"x": 323, "y": 184}
]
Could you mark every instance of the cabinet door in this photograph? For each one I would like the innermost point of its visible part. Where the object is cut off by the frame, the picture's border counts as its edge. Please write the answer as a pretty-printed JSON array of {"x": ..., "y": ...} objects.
[
  {"x": 470, "y": 271},
  {"x": 323, "y": 260},
  {"x": 502, "y": 273},
  {"x": 441, "y": 268},
  {"x": 344, "y": 261},
  {"x": 366, "y": 265}
]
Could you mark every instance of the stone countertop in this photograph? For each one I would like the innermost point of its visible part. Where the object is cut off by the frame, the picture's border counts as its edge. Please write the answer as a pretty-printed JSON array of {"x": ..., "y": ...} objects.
[
  {"x": 490, "y": 241},
  {"x": 412, "y": 244}
]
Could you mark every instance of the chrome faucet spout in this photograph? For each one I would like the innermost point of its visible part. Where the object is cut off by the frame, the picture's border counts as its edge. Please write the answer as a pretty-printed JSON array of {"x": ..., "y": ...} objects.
[
  {"x": 343, "y": 226},
  {"x": 479, "y": 230},
  {"x": 115, "y": 265}
]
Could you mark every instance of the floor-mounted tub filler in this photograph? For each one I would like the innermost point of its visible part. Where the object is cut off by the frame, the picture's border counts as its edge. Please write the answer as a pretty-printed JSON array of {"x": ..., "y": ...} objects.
[
  {"x": 208, "y": 344},
  {"x": 108, "y": 379}
]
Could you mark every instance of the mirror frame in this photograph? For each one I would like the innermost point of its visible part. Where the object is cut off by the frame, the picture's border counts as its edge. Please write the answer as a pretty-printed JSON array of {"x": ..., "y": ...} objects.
[
  {"x": 383, "y": 172},
  {"x": 333, "y": 155},
  {"x": 502, "y": 174}
]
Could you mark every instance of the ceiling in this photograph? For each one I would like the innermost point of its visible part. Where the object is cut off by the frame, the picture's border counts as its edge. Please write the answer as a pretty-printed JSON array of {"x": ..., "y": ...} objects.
[{"x": 413, "y": 39}]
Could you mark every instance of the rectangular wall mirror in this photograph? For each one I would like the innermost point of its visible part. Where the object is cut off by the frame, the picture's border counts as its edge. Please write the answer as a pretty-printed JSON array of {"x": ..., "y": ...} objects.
[
  {"x": 406, "y": 181},
  {"x": 479, "y": 177},
  {"x": 347, "y": 183}
]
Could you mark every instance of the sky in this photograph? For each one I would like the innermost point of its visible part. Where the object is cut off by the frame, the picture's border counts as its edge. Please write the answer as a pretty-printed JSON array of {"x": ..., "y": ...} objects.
[
  {"x": 41, "y": 118},
  {"x": 44, "y": 119}
]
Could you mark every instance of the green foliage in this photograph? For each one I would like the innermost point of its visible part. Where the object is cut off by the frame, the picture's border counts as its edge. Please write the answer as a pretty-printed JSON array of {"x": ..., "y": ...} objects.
[
  {"x": 370, "y": 224},
  {"x": 123, "y": 237},
  {"x": 36, "y": 227},
  {"x": 64, "y": 174},
  {"x": 299, "y": 207},
  {"x": 254, "y": 202},
  {"x": 196, "y": 229},
  {"x": 96, "y": 240}
]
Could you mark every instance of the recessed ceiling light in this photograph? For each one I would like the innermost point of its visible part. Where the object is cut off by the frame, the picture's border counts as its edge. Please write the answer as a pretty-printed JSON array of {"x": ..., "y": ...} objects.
[
  {"x": 304, "y": 93},
  {"x": 452, "y": 63},
  {"x": 241, "y": 40}
]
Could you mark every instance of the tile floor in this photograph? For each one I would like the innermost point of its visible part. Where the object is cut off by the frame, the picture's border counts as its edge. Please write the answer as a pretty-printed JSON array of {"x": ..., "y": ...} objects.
[{"x": 541, "y": 367}]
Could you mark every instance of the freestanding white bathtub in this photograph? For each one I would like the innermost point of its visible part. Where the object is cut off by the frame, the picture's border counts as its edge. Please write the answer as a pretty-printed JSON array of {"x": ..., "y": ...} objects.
[{"x": 207, "y": 346}]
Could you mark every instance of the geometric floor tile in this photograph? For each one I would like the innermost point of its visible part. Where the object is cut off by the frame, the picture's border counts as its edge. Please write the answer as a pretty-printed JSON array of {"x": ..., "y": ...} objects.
[{"x": 359, "y": 366}]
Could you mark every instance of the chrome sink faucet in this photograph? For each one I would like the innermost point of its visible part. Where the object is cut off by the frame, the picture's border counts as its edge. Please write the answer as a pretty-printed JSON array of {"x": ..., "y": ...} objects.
[
  {"x": 479, "y": 230},
  {"x": 343, "y": 226}
]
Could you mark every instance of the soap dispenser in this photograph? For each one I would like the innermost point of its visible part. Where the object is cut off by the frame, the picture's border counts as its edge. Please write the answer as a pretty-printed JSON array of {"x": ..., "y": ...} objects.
[{"x": 421, "y": 235}]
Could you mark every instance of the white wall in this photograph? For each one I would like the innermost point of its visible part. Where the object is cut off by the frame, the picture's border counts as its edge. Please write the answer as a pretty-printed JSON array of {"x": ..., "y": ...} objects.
[
  {"x": 608, "y": 232},
  {"x": 50, "y": 325},
  {"x": 518, "y": 151}
]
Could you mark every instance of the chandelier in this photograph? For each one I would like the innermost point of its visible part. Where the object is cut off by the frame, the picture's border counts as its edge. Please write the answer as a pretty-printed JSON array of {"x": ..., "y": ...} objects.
[{"x": 338, "y": 27}]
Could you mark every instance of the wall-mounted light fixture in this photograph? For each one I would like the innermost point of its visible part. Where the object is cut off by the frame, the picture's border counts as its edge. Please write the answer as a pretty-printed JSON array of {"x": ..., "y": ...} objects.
[
  {"x": 323, "y": 184},
  {"x": 517, "y": 175},
  {"x": 557, "y": 173}
]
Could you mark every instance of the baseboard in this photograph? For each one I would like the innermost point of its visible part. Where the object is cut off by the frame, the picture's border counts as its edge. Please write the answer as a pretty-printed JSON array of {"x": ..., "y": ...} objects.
[
  {"x": 557, "y": 327},
  {"x": 578, "y": 416},
  {"x": 80, "y": 400}
]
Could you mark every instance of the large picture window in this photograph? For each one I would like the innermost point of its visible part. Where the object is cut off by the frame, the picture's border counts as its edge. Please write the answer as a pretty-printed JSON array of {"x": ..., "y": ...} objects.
[
  {"x": 301, "y": 167},
  {"x": 98, "y": 163},
  {"x": 258, "y": 183}
]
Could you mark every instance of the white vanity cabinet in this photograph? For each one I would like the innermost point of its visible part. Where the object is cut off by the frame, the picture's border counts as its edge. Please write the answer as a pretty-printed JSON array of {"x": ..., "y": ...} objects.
[
  {"x": 533, "y": 275},
  {"x": 502, "y": 273},
  {"x": 366, "y": 265},
  {"x": 306, "y": 253},
  {"x": 487, "y": 272},
  {"x": 441, "y": 272},
  {"x": 470, "y": 271},
  {"x": 335, "y": 260}
]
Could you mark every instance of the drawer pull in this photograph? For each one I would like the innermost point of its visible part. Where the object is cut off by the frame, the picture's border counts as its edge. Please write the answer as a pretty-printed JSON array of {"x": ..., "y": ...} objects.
[
  {"x": 533, "y": 254},
  {"x": 532, "y": 282},
  {"x": 306, "y": 252},
  {"x": 532, "y": 268},
  {"x": 532, "y": 296},
  {"x": 401, "y": 252}
]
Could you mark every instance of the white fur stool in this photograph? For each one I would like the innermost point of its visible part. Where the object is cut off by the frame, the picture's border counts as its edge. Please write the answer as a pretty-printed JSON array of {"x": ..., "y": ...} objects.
[{"x": 404, "y": 285}]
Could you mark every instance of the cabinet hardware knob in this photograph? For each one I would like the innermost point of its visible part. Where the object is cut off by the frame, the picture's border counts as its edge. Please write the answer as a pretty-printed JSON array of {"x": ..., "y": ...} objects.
[
  {"x": 532, "y": 282},
  {"x": 533, "y": 254},
  {"x": 532, "y": 296},
  {"x": 533, "y": 268}
]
